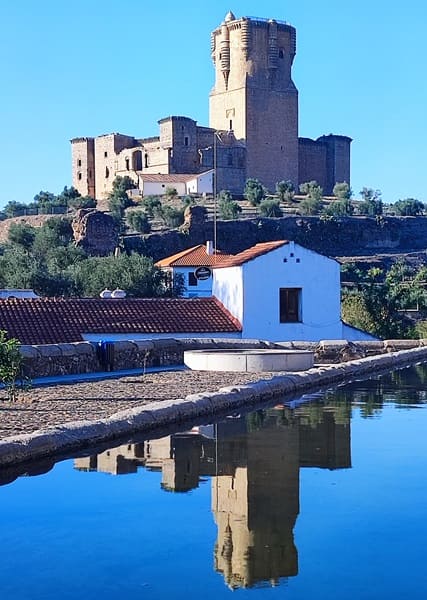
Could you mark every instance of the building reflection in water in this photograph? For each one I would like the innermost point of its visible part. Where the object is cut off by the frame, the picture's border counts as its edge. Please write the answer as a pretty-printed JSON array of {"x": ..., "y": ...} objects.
[{"x": 254, "y": 463}]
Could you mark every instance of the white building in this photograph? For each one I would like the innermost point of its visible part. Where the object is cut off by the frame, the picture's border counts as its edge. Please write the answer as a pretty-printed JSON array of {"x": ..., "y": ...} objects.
[
  {"x": 276, "y": 291},
  {"x": 192, "y": 183},
  {"x": 281, "y": 291}
]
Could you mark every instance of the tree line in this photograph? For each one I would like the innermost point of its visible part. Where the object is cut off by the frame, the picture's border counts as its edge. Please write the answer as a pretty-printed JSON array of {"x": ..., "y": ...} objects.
[
  {"x": 312, "y": 201},
  {"x": 381, "y": 301},
  {"x": 46, "y": 260}
]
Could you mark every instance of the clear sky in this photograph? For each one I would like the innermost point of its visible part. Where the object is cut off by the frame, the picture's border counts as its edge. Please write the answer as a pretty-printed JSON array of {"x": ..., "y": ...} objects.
[{"x": 86, "y": 67}]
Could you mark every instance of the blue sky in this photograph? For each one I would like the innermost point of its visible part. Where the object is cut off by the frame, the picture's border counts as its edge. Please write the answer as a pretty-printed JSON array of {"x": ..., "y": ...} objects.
[{"x": 87, "y": 67}]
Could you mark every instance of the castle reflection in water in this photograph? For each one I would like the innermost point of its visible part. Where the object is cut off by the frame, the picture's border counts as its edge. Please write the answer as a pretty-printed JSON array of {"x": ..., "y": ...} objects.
[{"x": 254, "y": 463}]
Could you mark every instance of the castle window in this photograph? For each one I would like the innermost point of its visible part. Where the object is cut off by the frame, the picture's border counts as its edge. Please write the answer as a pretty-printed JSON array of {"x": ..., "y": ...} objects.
[
  {"x": 146, "y": 160},
  {"x": 186, "y": 141},
  {"x": 105, "y": 154},
  {"x": 281, "y": 54},
  {"x": 107, "y": 172},
  {"x": 137, "y": 161},
  {"x": 127, "y": 164},
  {"x": 290, "y": 305},
  {"x": 79, "y": 163},
  {"x": 231, "y": 125},
  {"x": 79, "y": 176}
]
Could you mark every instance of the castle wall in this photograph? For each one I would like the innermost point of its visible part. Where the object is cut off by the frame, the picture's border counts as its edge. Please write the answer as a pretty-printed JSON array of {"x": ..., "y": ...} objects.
[{"x": 107, "y": 150}]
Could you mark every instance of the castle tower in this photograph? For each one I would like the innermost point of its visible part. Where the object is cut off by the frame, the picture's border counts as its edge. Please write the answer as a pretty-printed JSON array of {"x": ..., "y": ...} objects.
[
  {"x": 83, "y": 165},
  {"x": 254, "y": 94}
]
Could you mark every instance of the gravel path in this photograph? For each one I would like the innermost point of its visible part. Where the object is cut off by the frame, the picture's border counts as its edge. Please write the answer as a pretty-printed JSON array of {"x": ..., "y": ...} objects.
[{"x": 56, "y": 405}]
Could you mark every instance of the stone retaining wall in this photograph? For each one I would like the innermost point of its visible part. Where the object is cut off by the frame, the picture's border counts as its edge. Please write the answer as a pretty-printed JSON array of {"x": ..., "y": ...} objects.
[
  {"x": 84, "y": 357},
  {"x": 74, "y": 436}
]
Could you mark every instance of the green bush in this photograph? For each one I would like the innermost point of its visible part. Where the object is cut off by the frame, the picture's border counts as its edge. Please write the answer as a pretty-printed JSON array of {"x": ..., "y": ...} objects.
[
  {"x": 172, "y": 217},
  {"x": 270, "y": 208},
  {"x": 228, "y": 208},
  {"x": 254, "y": 191},
  {"x": 137, "y": 220},
  {"x": 10, "y": 365},
  {"x": 285, "y": 190},
  {"x": 152, "y": 205}
]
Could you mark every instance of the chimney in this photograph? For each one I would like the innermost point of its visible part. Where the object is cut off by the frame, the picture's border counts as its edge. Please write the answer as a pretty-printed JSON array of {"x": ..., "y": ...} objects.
[{"x": 209, "y": 248}]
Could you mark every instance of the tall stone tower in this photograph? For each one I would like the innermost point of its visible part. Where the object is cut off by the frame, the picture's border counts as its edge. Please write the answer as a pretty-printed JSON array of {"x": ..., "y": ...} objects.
[{"x": 254, "y": 94}]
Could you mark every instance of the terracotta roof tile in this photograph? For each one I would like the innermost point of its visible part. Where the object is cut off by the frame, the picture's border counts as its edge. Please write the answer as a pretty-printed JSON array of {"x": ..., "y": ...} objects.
[
  {"x": 250, "y": 254},
  {"x": 61, "y": 320},
  {"x": 193, "y": 257}
]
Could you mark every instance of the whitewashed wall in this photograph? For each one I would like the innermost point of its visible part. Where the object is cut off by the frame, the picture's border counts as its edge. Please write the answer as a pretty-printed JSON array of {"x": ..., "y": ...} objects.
[
  {"x": 227, "y": 286},
  {"x": 155, "y": 188},
  {"x": 252, "y": 295},
  {"x": 201, "y": 184}
]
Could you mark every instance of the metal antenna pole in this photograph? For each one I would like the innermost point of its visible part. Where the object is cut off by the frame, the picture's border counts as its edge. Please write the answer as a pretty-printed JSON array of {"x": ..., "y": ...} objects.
[{"x": 215, "y": 190}]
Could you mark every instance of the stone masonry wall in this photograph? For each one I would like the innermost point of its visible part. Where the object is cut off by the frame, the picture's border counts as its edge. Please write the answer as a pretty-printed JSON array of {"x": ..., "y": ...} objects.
[
  {"x": 351, "y": 236},
  {"x": 84, "y": 357}
]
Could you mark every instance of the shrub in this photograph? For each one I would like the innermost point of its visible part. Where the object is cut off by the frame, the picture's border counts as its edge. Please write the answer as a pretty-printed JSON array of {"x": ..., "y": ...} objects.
[
  {"x": 137, "y": 220},
  {"x": 228, "y": 208},
  {"x": 152, "y": 205},
  {"x": 270, "y": 208},
  {"x": 310, "y": 206},
  {"x": 171, "y": 192},
  {"x": 340, "y": 208},
  {"x": 254, "y": 191},
  {"x": 172, "y": 217},
  {"x": 10, "y": 365},
  {"x": 285, "y": 190},
  {"x": 342, "y": 191}
]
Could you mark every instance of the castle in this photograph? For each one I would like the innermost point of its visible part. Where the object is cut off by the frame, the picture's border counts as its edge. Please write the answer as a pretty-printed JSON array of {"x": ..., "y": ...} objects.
[{"x": 253, "y": 125}]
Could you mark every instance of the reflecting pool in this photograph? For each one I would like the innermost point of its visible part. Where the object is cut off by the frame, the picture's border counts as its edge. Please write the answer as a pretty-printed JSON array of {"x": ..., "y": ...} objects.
[{"x": 322, "y": 499}]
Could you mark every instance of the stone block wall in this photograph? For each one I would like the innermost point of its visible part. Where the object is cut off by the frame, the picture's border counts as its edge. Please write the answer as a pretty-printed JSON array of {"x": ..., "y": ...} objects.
[{"x": 84, "y": 357}]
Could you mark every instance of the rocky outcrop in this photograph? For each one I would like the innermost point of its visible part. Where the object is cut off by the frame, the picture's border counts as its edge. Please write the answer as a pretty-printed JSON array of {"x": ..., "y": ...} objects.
[{"x": 96, "y": 232}]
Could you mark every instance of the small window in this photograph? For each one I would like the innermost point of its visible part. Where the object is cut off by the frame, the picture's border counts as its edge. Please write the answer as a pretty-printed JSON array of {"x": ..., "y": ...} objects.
[
  {"x": 146, "y": 160},
  {"x": 105, "y": 154},
  {"x": 192, "y": 280},
  {"x": 107, "y": 172},
  {"x": 186, "y": 141},
  {"x": 281, "y": 54},
  {"x": 290, "y": 305},
  {"x": 79, "y": 176},
  {"x": 231, "y": 125},
  {"x": 127, "y": 164},
  {"x": 79, "y": 163}
]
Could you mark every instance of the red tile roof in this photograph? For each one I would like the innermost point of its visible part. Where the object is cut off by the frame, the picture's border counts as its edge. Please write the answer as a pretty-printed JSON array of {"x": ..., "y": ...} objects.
[
  {"x": 193, "y": 257},
  {"x": 250, "y": 254},
  {"x": 62, "y": 320}
]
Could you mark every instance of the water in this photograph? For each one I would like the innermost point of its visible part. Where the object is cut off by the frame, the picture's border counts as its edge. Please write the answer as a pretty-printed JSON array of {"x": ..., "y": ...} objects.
[{"x": 325, "y": 500}]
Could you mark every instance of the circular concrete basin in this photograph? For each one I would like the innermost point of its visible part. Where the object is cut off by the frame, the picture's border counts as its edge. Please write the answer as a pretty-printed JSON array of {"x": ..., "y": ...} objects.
[{"x": 249, "y": 360}]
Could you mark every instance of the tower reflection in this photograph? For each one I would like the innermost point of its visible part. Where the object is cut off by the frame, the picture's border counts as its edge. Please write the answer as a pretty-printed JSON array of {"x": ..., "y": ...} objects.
[{"x": 254, "y": 463}]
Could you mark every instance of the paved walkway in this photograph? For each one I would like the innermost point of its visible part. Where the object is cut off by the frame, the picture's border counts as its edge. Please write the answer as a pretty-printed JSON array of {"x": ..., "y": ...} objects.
[{"x": 54, "y": 401}]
